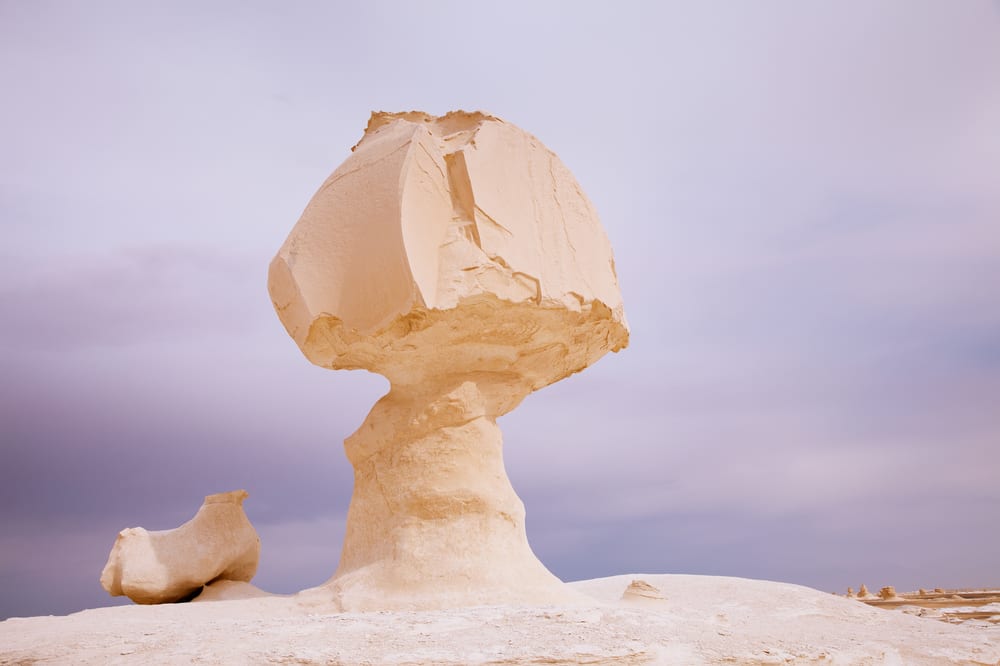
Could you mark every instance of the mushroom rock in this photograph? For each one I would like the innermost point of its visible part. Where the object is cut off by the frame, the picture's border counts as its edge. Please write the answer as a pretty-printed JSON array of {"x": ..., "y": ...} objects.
[
  {"x": 459, "y": 258},
  {"x": 219, "y": 543}
]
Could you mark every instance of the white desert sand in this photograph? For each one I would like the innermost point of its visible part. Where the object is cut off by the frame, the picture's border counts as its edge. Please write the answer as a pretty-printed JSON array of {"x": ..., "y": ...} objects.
[{"x": 703, "y": 620}]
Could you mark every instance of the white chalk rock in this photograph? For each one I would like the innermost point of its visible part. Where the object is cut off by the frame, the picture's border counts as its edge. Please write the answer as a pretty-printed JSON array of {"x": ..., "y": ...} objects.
[
  {"x": 219, "y": 543},
  {"x": 435, "y": 215},
  {"x": 460, "y": 259}
]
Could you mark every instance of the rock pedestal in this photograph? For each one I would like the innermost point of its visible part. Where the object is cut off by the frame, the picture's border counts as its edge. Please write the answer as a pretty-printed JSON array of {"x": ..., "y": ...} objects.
[{"x": 434, "y": 521}]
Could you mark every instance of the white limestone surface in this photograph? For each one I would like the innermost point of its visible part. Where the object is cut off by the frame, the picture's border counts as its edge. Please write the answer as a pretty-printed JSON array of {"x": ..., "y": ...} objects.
[{"x": 703, "y": 620}]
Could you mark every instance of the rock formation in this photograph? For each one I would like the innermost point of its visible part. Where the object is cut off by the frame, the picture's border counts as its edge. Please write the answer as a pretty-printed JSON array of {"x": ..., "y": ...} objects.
[
  {"x": 863, "y": 591},
  {"x": 887, "y": 592},
  {"x": 639, "y": 591},
  {"x": 460, "y": 259},
  {"x": 219, "y": 543}
]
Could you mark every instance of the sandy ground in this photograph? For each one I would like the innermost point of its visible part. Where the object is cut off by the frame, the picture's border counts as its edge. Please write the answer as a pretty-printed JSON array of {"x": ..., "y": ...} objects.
[{"x": 703, "y": 620}]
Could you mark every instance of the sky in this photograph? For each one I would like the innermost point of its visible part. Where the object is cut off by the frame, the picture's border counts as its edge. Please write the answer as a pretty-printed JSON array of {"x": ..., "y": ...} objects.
[{"x": 804, "y": 204}]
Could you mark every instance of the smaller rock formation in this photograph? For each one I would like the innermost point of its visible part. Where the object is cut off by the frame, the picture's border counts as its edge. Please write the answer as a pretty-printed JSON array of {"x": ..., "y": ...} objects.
[
  {"x": 850, "y": 593},
  {"x": 922, "y": 592},
  {"x": 642, "y": 592},
  {"x": 863, "y": 591},
  {"x": 887, "y": 592},
  {"x": 219, "y": 543}
]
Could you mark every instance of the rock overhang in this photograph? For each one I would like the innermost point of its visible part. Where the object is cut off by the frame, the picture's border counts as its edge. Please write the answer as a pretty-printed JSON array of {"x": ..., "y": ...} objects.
[{"x": 431, "y": 218}]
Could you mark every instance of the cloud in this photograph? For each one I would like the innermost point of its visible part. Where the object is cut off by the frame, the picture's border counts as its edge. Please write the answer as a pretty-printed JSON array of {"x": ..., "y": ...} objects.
[
  {"x": 46, "y": 569},
  {"x": 298, "y": 554},
  {"x": 138, "y": 295}
]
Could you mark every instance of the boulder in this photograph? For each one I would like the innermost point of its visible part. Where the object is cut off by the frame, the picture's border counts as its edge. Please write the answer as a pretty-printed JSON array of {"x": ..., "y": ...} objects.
[{"x": 219, "y": 543}]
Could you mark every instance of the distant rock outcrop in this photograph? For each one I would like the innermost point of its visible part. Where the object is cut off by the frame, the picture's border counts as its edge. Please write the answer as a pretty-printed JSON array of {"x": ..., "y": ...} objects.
[
  {"x": 643, "y": 592},
  {"x": 219, "y": 543}
]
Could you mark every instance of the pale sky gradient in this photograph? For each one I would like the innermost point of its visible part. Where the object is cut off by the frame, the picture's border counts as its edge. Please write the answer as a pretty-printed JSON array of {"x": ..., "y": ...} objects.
[{"x": 803, "y": 199}]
